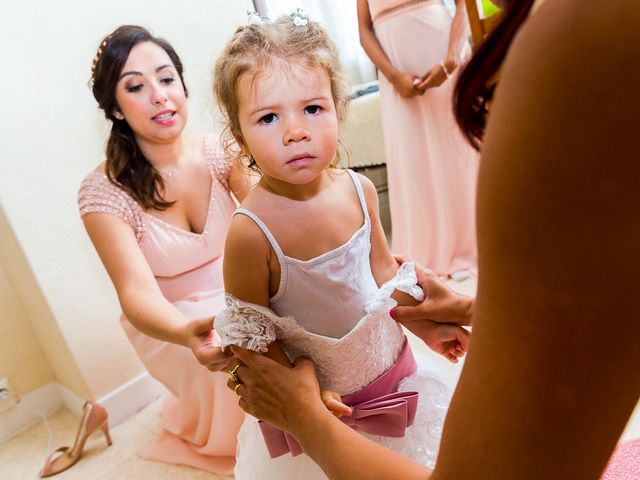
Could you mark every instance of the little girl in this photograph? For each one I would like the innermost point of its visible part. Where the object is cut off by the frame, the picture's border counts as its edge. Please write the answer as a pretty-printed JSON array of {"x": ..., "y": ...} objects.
[{"x": 305, "y": 255}]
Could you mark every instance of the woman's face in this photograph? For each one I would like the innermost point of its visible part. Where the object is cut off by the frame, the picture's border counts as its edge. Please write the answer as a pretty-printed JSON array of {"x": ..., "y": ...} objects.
[{"x": 150, "y": 95}]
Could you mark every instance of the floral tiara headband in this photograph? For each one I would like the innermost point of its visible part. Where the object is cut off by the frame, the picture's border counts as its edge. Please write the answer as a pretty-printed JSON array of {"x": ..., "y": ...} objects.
[
  {"x": 96, "y": 59},
  {"x": 300, "y": 19}
]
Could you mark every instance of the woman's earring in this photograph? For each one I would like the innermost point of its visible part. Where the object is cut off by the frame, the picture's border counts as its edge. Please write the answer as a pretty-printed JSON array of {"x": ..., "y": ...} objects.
[{"x": 118, "y": 115}]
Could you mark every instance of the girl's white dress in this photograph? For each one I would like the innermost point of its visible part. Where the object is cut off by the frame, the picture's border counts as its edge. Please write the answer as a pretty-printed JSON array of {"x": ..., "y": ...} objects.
[{"x": 330, "y": 310}]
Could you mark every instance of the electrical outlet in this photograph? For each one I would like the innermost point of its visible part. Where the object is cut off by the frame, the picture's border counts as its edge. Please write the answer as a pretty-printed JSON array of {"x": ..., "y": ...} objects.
[{"x": 8, "y": 398}]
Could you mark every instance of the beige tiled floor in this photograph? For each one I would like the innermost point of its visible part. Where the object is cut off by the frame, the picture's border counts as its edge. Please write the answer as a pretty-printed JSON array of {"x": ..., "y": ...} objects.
[{"x": 22, "y": 456}]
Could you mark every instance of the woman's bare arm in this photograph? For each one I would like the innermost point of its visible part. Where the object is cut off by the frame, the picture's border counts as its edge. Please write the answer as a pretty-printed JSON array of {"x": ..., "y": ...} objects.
[
  {"x": 141, "y": 300},
  {"x": 552, "y": 374},
  {"x": 457, "y": 36}
]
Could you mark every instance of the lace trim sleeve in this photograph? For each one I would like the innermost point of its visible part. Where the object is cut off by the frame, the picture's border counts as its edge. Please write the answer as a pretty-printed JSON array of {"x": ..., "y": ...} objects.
[
  {"x": 217, "y": 161},
  {"x": 405, "y": 280},
  {"x": 246, "y": 325},
  {"x": 98, "y": 195}
]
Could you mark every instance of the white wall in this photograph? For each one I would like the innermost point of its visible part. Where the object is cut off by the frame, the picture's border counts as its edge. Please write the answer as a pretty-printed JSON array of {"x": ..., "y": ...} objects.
[{"x": 52, "y": 135}]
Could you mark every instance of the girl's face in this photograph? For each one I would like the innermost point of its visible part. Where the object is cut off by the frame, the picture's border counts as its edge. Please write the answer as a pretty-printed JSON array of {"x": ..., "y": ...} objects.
[
  {"x": 288, "y": 121},
  {"x": 150, "y": 95}
]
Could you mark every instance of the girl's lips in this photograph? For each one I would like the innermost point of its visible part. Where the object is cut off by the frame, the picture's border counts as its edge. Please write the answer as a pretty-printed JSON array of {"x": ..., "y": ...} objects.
[{"x": 300, "y": 161}]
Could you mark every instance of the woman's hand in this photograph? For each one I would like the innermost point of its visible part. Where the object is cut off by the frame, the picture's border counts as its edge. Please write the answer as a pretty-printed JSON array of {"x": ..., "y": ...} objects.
[
  {"x": 449, "y": 340},
  {"x": 435, "y": 76},
  {"x": 205, "y": 344},
  {"x": 441, "y": 304},
  {"x": 405, "y": 84},
  {"x": 333, "y": 402},
  {"x": 282, "y": 396}
]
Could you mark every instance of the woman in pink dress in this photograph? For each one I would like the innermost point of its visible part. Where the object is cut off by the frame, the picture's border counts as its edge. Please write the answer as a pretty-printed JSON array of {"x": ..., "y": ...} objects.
[
  {"x": 157, "y": 212},
  {"x": 431, "y": 170}
]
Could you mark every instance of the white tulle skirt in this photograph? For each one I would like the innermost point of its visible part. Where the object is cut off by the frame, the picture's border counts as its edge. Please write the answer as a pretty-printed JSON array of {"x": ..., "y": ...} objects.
[{"x": 420, "y": 443}]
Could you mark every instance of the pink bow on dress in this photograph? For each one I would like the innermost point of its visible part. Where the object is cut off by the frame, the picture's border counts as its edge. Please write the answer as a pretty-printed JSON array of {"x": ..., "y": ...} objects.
[
  {"x": 388, "y": 415},
  {"x": 377, "y": 409}
]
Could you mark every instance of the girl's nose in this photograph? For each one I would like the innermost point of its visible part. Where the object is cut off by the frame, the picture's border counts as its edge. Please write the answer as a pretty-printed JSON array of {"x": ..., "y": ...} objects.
[{"x": 296, "y": 133}]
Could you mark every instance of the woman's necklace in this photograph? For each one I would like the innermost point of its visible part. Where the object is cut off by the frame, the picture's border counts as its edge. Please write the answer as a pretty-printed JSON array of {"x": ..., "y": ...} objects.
[{"x": 170, "y": 172}]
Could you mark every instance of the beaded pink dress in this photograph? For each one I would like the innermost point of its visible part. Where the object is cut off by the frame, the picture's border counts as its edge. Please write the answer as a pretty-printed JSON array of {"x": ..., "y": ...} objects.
[
  {"x": 431, "y": 169},
  {"x": 201, "y": 416},
  {"x": 625, "y": 462}
]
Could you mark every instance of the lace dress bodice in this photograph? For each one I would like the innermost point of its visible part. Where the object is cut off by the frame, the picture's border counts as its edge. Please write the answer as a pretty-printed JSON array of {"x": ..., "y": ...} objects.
[{"x": 351, "y": 338}]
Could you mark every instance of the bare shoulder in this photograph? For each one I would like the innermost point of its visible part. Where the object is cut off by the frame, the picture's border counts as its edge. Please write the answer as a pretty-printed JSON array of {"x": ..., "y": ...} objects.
[
  {"x": 245, "y": 239},
  {"x": 101, "y": 168},
  {"x": 369, "y": 190}
]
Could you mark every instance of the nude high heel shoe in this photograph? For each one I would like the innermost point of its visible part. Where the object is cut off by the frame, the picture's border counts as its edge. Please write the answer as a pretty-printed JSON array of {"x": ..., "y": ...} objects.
[{"x": 94, "y": 417}]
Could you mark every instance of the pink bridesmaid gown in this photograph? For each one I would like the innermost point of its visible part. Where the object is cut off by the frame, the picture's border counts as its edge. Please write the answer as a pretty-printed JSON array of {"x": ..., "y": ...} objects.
[
  {"x": 431, "y": 169},
  {"x": 200, "y": 415}
]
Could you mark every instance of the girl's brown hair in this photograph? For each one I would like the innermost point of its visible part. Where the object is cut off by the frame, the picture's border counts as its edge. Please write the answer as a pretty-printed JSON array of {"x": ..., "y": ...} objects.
[
  {"x": 126, "y": 166},
  {"x": 475, "y": 87},
  {"x": 255, "y": 47}
]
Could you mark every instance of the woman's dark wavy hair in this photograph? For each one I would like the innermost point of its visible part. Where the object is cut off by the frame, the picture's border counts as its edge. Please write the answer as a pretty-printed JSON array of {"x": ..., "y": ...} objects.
[
  {"x": 126, "y": 166},
  {"x": 475, "y": 87}
]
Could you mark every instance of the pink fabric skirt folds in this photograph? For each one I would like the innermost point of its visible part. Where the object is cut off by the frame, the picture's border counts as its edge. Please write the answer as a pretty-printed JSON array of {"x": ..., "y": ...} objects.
[{"x": 201, "y": 417}]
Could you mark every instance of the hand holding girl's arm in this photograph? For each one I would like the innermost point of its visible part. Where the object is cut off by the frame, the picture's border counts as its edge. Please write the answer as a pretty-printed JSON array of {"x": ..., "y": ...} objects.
[
  {"x": 290, "y": 400},
  {"x": 450, "y": 341},
  {"x": 441, "y": 304},
  {"x": 141, "y": 300}
]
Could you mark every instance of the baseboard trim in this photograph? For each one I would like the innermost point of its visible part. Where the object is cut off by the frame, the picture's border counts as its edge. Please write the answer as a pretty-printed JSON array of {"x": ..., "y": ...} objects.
[
  {"x": 43, "y": 400},
  {"x": 121, "y": 403},
  {"x": 127, "y": 399}
]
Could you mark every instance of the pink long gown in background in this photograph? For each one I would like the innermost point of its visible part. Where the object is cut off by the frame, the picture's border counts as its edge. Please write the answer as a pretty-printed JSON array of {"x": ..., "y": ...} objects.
[
  {"x": 431, "y": 169},
  {"x": 200, "y": 415}
]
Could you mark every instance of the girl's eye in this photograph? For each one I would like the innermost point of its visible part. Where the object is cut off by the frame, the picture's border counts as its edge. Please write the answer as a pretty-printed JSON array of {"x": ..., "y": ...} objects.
[
  {"x": 168, "y": 80},
  {"x": 134, "y": 88},
  {"x": 313, "y": 109},
  {"x": 268, "y": 118}
]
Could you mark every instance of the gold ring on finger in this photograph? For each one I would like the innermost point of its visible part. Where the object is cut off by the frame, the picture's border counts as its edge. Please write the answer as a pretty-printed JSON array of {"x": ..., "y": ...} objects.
[{"x": 232, "y": 374}]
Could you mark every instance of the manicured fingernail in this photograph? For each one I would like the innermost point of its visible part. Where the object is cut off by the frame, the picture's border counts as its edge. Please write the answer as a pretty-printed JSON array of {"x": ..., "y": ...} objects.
[{"x": 392, "y": 313}]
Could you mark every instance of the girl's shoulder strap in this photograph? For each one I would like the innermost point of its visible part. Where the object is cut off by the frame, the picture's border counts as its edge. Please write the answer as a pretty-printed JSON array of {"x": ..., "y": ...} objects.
[
  {"x": 363, "y": 202},
  {"x": 265, "y": 230}
]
